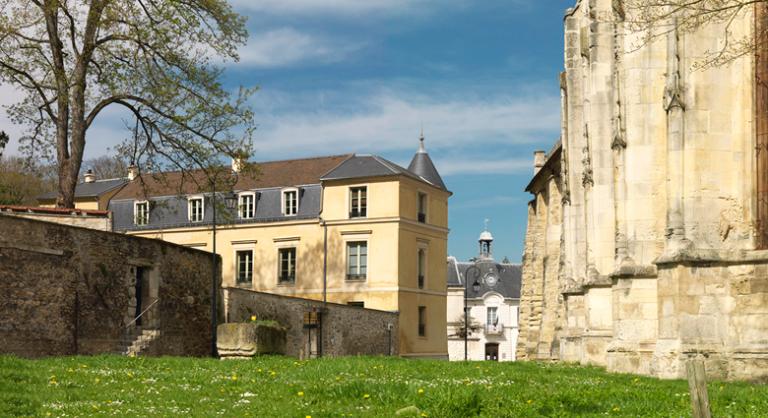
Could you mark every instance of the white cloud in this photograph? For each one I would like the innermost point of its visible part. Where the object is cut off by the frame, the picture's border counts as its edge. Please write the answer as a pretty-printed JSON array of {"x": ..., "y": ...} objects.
[
  {"x": 286, "y": 46},
  {"x": 454, "y": 166},
  {"x": 391, "y": 121},
  {"x": 10, "y": 95}
]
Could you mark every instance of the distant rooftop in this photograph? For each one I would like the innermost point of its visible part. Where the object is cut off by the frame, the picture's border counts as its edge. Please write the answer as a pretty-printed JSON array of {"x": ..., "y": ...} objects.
[{"x": 85, "y": 190}]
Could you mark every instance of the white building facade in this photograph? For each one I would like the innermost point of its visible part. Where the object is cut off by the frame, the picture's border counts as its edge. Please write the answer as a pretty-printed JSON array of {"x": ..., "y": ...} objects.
[{"x": 493, "y": 298}]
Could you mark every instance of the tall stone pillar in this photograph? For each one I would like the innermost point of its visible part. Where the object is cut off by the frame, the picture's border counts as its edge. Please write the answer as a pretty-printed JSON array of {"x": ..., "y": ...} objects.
[{"x": 675, "y": 108}]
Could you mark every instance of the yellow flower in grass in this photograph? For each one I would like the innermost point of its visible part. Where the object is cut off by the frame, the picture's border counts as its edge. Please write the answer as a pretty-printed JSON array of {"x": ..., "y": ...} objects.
[
  {"x": 253, "y": 318},
  {"x": 616, "y": 409},
  {"x": 234, "y": 377},
  {"x": 424, "y": 414},
  {"x": 366, "y": 396},
  {"x": 530, "y": 401},
  {"x": 421, "y": 391},
  {"x": 300, "y": 393}
]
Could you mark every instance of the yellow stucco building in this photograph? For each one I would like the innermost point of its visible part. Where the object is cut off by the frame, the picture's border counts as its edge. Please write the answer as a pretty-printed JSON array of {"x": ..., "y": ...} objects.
[{"x": 374, "y": 232}]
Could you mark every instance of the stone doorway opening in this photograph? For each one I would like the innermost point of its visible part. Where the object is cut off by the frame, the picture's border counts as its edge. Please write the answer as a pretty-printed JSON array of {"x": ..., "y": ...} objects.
[{"x": 492, "y": 351}]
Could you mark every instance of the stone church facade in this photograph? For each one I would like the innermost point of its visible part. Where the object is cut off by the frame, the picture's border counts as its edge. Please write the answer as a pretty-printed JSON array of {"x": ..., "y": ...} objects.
[{"x": 647, "y": 238}]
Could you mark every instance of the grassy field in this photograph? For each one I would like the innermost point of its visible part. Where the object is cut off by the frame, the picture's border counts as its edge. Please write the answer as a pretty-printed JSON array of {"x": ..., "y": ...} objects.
[{"x": 350, "y": 387}]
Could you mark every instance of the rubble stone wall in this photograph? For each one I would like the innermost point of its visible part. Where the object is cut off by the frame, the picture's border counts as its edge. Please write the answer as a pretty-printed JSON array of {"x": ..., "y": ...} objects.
[
  {"x": 69, "y": 290},
  {"x": 346, "y": 330}
]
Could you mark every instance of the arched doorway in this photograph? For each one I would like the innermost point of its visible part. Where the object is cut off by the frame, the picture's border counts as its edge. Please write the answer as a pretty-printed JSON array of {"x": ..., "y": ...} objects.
[{"x": 492, "y": 351}]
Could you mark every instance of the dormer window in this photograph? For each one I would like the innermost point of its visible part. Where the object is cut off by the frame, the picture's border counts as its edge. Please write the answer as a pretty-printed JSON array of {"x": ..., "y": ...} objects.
[
  {"x": 196, "y": 211},
  {"x": 422, "y": 207},
  {"x": 141, "y": 213},
  {"x": 358, "y": 202},
  {"x": 247, "y": 205},
  {"x": 290, "y": 202}
]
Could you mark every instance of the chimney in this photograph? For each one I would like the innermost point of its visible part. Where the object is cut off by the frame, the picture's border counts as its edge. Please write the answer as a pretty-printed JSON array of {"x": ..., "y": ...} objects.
[
  {"x": 237, "y": 164},
  {"x": 89, "y": 177},
  {"x": 133, "y": 172},
  {"x": 538, "y": 160}
]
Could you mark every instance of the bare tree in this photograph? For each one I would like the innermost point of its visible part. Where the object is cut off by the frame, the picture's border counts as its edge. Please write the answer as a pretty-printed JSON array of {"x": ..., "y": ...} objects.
[
  {"x": 106, "y": 166},
  {"x": 655, "y": 18},
  {"x": 73, "y": 59}
]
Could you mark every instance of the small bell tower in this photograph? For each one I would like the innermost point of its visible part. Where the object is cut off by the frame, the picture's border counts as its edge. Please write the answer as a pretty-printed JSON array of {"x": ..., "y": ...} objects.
[{"x": 485, "y": 241}]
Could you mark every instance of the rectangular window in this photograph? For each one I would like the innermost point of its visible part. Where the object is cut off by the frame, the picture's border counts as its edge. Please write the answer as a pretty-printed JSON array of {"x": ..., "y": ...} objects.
[
  {"x": 493, "y": 318},
  {"x": 196, "y": 209},
  {"x": 422, "y": 261},
  {"x": 247, "y": 205},
  {"x": 290, "y": 202},
  {"x": 422, "y": 321},
  {"x": 422, "y": 207},
  {"x": 141, "y": 213},
  {"x": 287, "y": 266},
  {"x": 357, "y": 260},
  {"x": 358, "y": 202},
  {"x": 244, "y": 266},
  {"x": 357, "y": 304}
]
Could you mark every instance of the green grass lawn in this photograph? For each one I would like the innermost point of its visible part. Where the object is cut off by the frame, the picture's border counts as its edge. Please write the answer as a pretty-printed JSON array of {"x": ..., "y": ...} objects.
[{"x": 352, "y": 387}]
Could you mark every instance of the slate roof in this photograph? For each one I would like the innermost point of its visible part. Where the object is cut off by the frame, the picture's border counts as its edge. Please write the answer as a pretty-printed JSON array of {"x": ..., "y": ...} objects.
[
  {"x": 509, "y": 277},
  {"x": 171, "y": 211},
  {"x": 85, "y": 190},
  {"x": 359, "y": 166},
  {"x": 286, "y": 173},
  {"x": 422, "y": 166}
]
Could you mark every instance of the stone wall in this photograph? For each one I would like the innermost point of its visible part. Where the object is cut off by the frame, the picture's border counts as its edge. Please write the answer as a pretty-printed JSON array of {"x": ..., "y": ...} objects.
[
  {"x": 346, "y": 330},
  {"x": 659, "y": 256},
  {"x": 93, "y": 219},
  {"x": 69, "y": 290}
]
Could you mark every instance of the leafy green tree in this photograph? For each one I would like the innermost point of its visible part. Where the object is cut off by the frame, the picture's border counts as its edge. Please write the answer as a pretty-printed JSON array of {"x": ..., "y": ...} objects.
[
  {"x": 155, "y": 58},
  {"x": 21, "y": 181}
]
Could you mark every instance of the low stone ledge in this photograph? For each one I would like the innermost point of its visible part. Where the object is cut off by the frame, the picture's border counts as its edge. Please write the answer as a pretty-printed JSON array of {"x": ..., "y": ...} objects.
[{"x": 245, "y": 340}]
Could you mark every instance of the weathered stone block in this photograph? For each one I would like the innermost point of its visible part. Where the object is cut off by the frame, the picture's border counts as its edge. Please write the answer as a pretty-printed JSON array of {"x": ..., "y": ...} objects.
[{"x": 240, "y": 340}]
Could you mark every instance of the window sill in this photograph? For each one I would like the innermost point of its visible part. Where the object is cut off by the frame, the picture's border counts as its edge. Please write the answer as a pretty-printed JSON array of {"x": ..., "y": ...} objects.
[
  {"x": 356, "y": 279},
  {"x": 286, "y": 284}
]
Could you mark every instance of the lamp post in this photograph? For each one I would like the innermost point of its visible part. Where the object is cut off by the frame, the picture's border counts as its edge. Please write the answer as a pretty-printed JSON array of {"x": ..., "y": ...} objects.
[
  {"x": 230, "y": 200},
  {"x": 475, "y": 288}
]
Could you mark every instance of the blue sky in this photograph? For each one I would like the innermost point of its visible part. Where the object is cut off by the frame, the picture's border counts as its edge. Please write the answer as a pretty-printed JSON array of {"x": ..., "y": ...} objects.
[{"x": 364, "y": 76}]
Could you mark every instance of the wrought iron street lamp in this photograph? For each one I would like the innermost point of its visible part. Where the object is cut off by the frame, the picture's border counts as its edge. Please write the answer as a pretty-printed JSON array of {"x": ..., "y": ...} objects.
[
  {"x": 230, "y": 201},
  {"x": 475, "y": 288}
]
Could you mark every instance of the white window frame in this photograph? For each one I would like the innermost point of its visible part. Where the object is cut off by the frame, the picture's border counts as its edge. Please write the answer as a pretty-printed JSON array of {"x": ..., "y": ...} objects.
[
  {"x": 352, "y": 191},
  {"x": 136, "y": 213},
  {"x": 190, "y": 199},
  {"x": 280, "y": 265},
  {"x": 358, "y": 276},
  {"x": 240, "y": 204},
  {"x": 237, "y": 266},
  {"x": 488, "y": 310},
  {"x": 283, "y": 207}
]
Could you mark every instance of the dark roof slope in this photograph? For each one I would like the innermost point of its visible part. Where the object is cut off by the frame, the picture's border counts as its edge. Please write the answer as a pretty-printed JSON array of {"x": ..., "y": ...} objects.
[
  {"x": 422, "y": 166},
  {"x": 509, "y": 277},
  {"x": 270, "y": 174},
  {"x": 359, "y": 166},
  {"x": 95, "y": 189}
]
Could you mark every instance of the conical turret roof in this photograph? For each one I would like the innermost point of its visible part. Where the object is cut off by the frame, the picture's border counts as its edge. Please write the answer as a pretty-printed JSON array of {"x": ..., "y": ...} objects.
[{"x": 422, "y": 166}]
